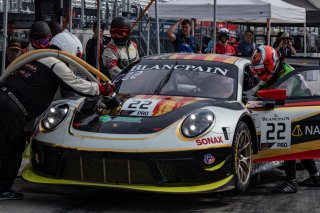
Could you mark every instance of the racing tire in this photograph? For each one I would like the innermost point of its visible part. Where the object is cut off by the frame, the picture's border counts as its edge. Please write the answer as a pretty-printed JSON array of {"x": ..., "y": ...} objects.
[{"x": 242, "y": 157}]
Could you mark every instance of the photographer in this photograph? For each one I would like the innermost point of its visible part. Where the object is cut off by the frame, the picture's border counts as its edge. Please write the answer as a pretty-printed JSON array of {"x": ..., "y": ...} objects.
[{"x": 284, "y": 45}]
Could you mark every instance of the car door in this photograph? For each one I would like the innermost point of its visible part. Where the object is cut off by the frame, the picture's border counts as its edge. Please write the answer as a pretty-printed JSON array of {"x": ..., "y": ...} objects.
[{"x": 291, "y": 130}]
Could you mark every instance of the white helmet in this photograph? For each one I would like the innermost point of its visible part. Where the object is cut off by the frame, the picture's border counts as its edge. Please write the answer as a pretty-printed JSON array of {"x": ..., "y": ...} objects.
[
  {"x": 223, "y": 32},
  {"x": 67, "y": 42}
]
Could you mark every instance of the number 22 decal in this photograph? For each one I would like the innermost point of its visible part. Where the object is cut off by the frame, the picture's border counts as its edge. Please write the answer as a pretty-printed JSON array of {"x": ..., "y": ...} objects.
[
  {"x": 276, "y": 133},
  {"x": 139, "y": 104}
]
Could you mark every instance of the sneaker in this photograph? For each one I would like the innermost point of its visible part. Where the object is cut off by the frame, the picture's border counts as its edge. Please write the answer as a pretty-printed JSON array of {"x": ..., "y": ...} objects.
[
  {"x": 11, "y": 195},
  {"x": 286, "y": 187},
  {"x": 310, "y": 182}
]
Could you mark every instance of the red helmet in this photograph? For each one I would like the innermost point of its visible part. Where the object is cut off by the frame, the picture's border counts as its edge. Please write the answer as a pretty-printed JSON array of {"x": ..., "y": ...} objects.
[{"x": 264, "y": 62}]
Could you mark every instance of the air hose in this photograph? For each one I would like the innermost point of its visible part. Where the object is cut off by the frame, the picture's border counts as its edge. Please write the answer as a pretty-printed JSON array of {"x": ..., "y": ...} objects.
[
  {"x": 112, "y": 102},
  {"x": 67, "y": 57}
]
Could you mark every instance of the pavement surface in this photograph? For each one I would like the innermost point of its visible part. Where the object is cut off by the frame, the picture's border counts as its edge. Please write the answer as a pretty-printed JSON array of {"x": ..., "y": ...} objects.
[{"x": 61, "y": 199}]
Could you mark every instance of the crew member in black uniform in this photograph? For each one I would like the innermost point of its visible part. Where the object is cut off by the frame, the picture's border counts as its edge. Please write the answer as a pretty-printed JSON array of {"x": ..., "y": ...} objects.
[{"x": 27, "y": 94}]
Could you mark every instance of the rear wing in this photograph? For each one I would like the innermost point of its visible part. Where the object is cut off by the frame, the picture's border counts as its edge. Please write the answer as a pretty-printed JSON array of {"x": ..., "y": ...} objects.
[{"x": 302, "y": 61}]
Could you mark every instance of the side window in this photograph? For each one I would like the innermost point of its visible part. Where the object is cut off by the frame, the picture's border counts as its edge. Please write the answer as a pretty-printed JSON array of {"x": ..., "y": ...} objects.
[{"x": 303, "y": 84}]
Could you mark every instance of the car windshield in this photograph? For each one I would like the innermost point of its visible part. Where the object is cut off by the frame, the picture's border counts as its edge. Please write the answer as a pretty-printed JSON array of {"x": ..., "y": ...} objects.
[{"x": 180, "y": 78}]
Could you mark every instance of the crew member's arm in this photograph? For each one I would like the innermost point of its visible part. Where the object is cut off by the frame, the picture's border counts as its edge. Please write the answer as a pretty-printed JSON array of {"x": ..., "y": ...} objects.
[
  {"x": 69, "y": 81},
  {"x": 172, "y": 29},
  {"x": 110, "y": 60}
]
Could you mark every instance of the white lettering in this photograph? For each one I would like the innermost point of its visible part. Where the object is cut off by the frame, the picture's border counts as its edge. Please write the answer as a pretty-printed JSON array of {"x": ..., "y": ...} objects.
[
  {"x": 128, "y": 76},
  {"x": 136, "y": 67},
  {"x": 188, "y": 67},
  {"x": 308, "y": 130},
  {"x": 199, "y": 69},
  {"x": 167, "y": 67},
  {"x": 223, "y": 72},
  {"x": 179, "y": 67},
  {"x": 136, "y": 74},
  {"x": 208, "y": 69},
  {"x": 155, "y": 67}
]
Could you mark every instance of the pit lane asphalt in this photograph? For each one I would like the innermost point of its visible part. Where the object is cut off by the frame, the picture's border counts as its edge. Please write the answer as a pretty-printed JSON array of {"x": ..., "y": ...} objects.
[{"x": 62, "y": 199}]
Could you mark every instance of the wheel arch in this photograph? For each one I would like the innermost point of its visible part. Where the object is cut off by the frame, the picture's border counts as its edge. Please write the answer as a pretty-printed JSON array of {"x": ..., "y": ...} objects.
[{"x": 249, "y": 122}]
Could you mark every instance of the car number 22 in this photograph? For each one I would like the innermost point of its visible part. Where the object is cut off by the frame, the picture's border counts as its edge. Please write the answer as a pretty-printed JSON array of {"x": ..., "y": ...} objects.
[
  {"x": 276, "y": 130},
  {"x": 140, "y": 107}
]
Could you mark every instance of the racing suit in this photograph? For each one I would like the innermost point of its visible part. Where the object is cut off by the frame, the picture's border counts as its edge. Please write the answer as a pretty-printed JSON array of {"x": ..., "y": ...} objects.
[
  {"x": 116, "y": 57},
  {"x": 24, "y": 96}
]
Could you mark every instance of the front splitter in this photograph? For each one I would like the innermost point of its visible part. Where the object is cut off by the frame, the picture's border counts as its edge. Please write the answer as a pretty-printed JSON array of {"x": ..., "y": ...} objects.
[{"x": 222, "y": 185}]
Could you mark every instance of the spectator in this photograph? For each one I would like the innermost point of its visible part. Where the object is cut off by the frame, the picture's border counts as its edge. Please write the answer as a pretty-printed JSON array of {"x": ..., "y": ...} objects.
[
  {"x": 183, "y": 42},
  {"x": 55, "y": 28},
  {"x": 222, "y": 46},
  {"x": 284, "y": 45},
  {"x": 247, "y": 46},
  {"x": 121, "y": 51},
  {"x": 91, "y": 48},
  {"x": 205, "y": 42}
]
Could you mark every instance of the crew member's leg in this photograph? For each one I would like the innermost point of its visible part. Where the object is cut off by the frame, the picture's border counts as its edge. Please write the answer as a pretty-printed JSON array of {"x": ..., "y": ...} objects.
[
  {"x": 290, "y": 184},
  {"x": 12, "y": 144},
  {"x": 314, "y": 179}
]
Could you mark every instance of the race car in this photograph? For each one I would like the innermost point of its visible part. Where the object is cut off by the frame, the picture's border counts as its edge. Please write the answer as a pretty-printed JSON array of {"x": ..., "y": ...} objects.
[{"x": 183, "y": 127}]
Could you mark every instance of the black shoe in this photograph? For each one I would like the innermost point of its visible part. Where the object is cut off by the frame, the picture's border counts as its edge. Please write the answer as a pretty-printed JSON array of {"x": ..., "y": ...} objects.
[
  {"x": 310, "y": 182},
  {"x": 11, "y": 195},
  {"x": 286, "y": 187}
]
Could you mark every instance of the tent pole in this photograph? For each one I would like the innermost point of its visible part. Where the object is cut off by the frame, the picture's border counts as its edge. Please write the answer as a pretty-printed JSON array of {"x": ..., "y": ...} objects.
[
  {"x": 98, "y": 35},
  {"x": 269, "y": 31},
  {"x": 5, "y": 32},
  {"x": 214, "y": 25},
  {"x": 148, "y": 43},
  {"x": 305, "y": 38},
  {"x": 70, "y": 15},
  {"x": 157, "y": 26},
  {"x": 82, "y": 13}
]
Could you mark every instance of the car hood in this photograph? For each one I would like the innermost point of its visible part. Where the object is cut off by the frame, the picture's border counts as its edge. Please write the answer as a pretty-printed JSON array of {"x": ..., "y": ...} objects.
[{"x": 143, "y": 114}]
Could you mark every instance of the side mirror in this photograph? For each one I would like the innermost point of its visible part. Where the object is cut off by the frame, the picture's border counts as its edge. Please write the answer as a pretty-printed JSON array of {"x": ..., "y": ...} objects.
[
  {"x": 279, "y": 95},
  {"x": 275, "y": 94}
]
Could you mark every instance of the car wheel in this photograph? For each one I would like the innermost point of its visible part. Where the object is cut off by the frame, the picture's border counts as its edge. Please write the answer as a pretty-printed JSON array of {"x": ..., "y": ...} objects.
[{"x": 242, "y": 157}]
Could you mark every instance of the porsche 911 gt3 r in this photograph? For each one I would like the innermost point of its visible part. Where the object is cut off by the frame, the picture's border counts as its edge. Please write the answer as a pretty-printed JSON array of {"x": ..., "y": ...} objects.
[{"x": 182, "y": 127}]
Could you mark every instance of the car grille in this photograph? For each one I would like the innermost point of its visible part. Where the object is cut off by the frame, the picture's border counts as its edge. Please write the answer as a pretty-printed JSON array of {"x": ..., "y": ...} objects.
[{"x": 119, "y": 168}]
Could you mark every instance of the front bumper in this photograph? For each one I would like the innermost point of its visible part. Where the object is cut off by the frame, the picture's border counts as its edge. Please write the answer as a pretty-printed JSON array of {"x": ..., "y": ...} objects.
[{"x": 176, "y": 172}]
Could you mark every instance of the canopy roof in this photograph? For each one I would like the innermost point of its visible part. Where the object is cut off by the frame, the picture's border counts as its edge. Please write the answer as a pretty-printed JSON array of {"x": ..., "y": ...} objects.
[
  {"x": 254, "y": 11},
  {"x": 312, "y": 8}
]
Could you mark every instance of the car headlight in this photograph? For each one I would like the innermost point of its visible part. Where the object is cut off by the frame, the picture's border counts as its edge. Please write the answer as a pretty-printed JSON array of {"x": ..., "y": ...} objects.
[
  {"x": 197, "y": 123},
  {"x": 55, "y": 116}
]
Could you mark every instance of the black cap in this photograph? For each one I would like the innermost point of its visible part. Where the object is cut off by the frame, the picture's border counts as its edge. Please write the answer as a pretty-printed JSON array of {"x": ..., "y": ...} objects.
[
  {"x": 120, "y": 22},
  {"x": 39, "y": 30}
]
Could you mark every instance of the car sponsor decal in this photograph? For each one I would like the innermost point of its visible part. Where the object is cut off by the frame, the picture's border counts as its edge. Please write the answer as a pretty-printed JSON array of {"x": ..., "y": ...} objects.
[
  {"x": 107, "y": 118},
  {"x": 153, "y": 105},
  {"x": 275, "y": 131},
  {"x": 208, "y": 159},
  {"x": 186, "y": 67},
  {"x": 140, "y": 107},
  {"x": 209, "y": 141},
  {"x": 307, "y": 129}
]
